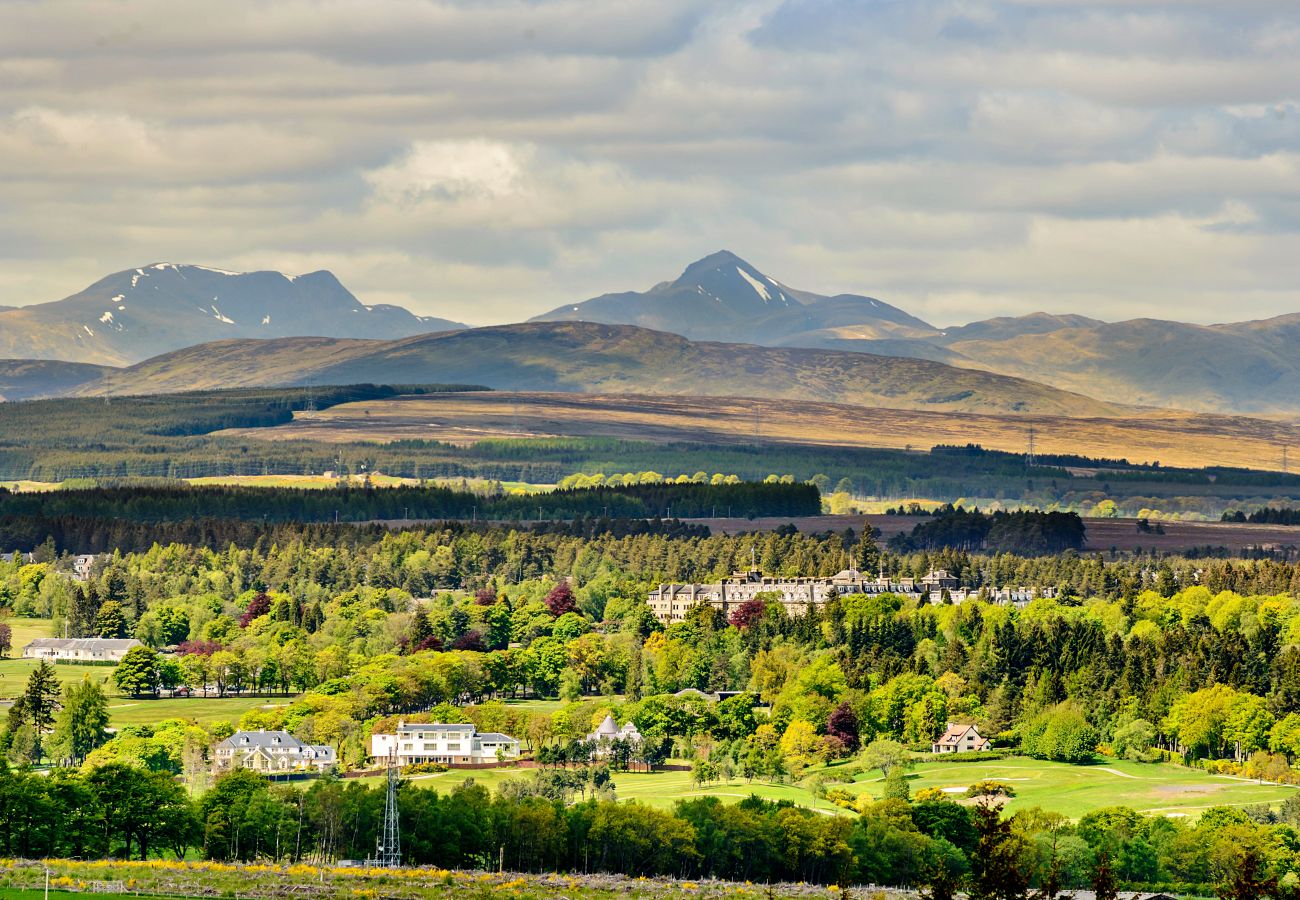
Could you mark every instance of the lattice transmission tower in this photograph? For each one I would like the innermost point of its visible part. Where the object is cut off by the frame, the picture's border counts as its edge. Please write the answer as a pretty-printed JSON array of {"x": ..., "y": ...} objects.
[{"x": 388, "y": 847}]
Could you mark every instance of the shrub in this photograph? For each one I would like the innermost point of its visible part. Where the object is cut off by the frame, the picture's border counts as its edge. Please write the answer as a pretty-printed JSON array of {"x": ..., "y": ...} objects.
[
  {"x": 926, "y": 795},
  {"x": 990, "y": 787}
]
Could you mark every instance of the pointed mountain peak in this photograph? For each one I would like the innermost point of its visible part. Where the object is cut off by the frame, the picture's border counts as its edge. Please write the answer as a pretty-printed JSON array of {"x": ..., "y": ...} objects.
[
  {"x": 728, "y": 279},
  {"x": 723, "y": 259}
]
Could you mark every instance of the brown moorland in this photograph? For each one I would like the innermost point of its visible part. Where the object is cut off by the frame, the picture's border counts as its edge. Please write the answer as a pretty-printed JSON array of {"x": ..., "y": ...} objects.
[{"x": 1172, "y": 438}]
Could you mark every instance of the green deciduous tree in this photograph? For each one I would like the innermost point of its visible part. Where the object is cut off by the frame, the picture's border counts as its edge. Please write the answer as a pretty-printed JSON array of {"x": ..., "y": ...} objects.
[
  {"x": 83, "y": 722},
  {"x": 137, "y": 673}
]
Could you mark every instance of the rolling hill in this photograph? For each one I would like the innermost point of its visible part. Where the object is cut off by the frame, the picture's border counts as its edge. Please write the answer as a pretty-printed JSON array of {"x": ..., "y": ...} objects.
[
  {"x": 136, "y": 314},
  {"x": 1246, "y": 368},
  {"x": 1179, "y": 439},
  {"x": 31, "y": 379},
  {"x": 588, "y": 357}
]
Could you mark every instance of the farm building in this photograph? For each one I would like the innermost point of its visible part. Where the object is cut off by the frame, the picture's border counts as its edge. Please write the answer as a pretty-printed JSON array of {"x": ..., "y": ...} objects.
[{"x": 82, "y": 650}]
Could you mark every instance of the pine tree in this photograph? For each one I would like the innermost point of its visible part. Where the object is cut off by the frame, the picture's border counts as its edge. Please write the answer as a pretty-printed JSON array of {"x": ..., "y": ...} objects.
[{"x": 41, "y": 700}]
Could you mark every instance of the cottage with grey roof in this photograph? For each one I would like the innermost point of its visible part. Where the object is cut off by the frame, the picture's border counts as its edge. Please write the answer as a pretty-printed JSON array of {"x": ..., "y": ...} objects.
[
  {"x": 271, "y": 752},
  {"x": 80, "y": 650}
]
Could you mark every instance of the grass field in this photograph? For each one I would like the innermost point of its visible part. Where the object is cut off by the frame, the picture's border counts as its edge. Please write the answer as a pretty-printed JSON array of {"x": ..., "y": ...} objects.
[
  {"x": 1173, "y": 438},
  {"x": 27, "y": 630},
  {"x": 1067, "y": 789},
  {"x": 14, "y": 672},
  {"x": 127, "y": 711},
  {"x": 1075, "y": 790}
]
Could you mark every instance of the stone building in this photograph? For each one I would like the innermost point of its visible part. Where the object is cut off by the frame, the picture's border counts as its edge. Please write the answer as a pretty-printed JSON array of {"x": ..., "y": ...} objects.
[{"x": 671, "y": 602}]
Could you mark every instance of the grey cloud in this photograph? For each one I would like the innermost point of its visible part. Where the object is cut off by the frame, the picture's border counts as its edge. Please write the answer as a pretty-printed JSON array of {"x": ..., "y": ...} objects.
[{"x": 489, "y": 160}]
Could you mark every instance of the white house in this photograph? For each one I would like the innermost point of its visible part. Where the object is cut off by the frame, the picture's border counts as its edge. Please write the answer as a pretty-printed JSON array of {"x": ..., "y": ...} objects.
[
  {"x": 80, "y": 649},
  {"x": 271, "y": 752},
  {"x": 451, "y": 745},
  {"x": 82, "y": 566},
  {"x": 961, "y": 739}
]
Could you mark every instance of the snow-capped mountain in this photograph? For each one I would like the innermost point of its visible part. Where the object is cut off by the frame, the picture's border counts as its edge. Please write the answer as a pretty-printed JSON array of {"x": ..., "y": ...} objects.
[
  {"x": 132, "y": 315},
  {"x": 722, "y": 297}
]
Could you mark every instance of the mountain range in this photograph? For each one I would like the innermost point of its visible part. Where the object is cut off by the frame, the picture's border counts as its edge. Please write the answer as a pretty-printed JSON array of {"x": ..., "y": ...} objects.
[
  {"x": 135, "y": 314},
  {"x": 1247, "y": 367}
]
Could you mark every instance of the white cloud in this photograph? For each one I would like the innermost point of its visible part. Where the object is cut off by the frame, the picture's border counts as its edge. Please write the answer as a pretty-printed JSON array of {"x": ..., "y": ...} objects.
[
  {"x": 488, "y": 160},
  {"x": 452, "y": 170}
]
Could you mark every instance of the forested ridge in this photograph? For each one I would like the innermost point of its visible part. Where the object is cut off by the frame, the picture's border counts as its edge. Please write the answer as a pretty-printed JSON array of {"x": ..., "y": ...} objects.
[{"x": 358, "y": 504}]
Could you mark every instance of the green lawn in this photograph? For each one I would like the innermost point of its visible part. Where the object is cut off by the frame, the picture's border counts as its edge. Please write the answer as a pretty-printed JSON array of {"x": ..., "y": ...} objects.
[
  {"x": 14, "y": 672},
  {"x": 1071, "y": 790},
  {"x": 27, "y": 630},
  {"x": 550, "y": 706},
  {"x": 658, "y": 789},
  {"x": 1075, "y": 790},
  {"x": 128, "y": 711}
]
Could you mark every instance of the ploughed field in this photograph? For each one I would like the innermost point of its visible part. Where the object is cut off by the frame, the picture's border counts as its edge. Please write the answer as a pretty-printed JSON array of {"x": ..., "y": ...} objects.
[{"x": 1172, "y": 438}]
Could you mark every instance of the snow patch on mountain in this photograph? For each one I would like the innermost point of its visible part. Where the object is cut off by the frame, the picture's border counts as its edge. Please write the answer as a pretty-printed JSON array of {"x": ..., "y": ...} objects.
[{"x": 758, "y": 286}]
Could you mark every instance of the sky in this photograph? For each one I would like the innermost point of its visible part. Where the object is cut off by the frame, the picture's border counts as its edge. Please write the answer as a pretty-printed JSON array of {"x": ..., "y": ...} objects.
[{"x": 489, "y": 160}]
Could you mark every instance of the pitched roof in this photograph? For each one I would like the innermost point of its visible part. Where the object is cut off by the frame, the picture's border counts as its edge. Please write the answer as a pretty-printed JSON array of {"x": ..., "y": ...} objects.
[
  {"x": 88, "y": 644},
  {"x": 955, "y": 733},
  {"x": 261, "y": 740}
]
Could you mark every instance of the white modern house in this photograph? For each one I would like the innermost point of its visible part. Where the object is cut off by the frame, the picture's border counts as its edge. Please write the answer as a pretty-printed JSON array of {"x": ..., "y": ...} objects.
[
  {"x": 450, "y": 745},
  {"x": 271, "y": 752},
  {"x": 83, "y": 650}
]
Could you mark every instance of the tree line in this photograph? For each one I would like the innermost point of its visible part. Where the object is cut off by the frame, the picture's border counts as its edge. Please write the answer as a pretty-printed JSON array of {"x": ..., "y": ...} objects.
[
  {"x": 1267, "y": 516},
  {"x": 151, "y": 503},
  {"x": 1025, "y": 532}
]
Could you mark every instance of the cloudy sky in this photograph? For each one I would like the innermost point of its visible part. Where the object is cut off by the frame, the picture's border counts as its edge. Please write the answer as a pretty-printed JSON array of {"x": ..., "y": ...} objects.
[{"x": 491, "y": 159}]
